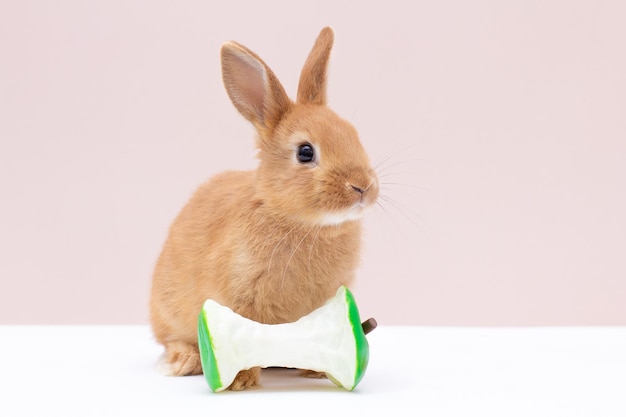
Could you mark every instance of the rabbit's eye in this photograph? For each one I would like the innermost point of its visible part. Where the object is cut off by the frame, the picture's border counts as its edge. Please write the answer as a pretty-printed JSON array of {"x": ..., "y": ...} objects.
[{"x": 306, "y": 153}]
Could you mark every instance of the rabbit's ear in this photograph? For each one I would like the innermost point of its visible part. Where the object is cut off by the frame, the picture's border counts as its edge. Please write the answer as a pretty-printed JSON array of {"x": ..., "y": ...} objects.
[
  {"x": 252, "y": 87},
  {"x": 312, "y": 85}
]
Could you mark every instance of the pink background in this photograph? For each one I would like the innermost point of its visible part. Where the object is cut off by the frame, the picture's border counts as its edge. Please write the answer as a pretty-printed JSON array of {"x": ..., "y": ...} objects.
[{"x": 500, "y": 128}]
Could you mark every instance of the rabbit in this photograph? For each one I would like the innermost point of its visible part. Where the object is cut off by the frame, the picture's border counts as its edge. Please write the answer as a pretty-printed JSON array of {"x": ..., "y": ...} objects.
[{"x": 275, "y": 243}]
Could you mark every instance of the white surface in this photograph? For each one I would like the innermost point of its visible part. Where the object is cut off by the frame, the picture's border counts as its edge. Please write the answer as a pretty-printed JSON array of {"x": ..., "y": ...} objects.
[{"x": 106, "y": 370}]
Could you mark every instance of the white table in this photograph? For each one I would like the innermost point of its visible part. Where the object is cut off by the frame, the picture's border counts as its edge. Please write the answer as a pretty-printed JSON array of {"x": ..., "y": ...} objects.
[{"x": 418, "y": 371}]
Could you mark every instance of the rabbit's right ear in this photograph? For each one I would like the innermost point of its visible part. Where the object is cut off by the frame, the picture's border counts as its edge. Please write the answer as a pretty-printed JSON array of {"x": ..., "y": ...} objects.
[
  {"x": 313, "y": 79},
  {"x": 253, "y": 88}
]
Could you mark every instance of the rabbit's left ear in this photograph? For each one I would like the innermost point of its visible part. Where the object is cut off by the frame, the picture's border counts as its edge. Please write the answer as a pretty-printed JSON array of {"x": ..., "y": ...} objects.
[
  {"x": 312, "y": 85},
  {"x": 253, "y": 88}
]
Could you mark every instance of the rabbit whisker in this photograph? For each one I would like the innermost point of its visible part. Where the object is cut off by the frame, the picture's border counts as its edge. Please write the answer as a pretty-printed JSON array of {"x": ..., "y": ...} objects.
[
  {"x": 269, "y": 264},
  {"x": 386, "y": 158},
  {"x": 402, "y": 210},
  {"x": 292, "y": 254},
  {"x": 400, "y": 184},
  {"x": 319, "y": 229}
]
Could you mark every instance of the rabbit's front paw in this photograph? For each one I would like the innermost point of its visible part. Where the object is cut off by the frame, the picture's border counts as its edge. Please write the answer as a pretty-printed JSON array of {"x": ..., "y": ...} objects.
[
  {"x": 182, "y": 359},
  {"x": 246, "y": 379},
  {"x": 312, "y": 374}
]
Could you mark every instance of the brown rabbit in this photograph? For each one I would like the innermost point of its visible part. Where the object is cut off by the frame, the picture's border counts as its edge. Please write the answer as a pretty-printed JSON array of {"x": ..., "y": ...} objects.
[{"x": 275, "y": 243}]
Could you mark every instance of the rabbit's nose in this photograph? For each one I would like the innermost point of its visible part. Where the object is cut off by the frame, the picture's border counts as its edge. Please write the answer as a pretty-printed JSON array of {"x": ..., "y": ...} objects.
[
  {"x": 363, "y": 192},
  {"x": 357, "y": 189}
]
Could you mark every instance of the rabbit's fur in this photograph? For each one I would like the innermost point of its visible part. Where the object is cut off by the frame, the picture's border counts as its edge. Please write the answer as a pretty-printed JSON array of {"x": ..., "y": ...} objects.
[{"x": 275, "y": 243}]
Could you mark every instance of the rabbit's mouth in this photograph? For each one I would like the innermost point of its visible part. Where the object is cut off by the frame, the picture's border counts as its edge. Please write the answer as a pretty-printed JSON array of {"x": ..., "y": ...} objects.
[
  {"x": 338, "y": 217},
  {"x": 360, "y": 199}
]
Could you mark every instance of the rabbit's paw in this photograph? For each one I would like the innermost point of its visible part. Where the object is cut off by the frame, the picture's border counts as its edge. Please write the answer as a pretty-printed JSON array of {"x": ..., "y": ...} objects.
[
  {"x": 312, "y": 374},
  {"x": 182, "y": 359},
  {"x": 246, "y": 379}
]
